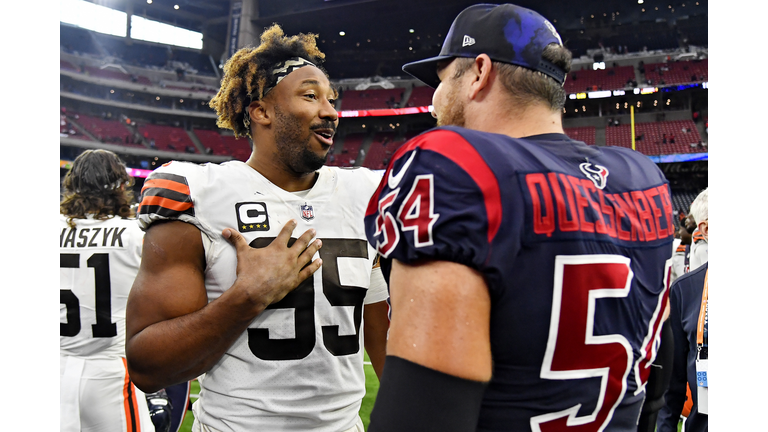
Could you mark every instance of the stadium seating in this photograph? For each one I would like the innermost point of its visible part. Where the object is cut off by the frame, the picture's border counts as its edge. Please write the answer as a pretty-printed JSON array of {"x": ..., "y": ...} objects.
[
  {"x": 107, "y": 130},
  {"x": 682, "y": 199},
  {"x": 224, "y": 144},
  {"x": 611, "y": 78},
  {"x": 239, "y": 147},
  {"x": 384, "y": 145},
  {"x": 168, "y": 138},
  {"x": 349, "y": 152},
  {"x": 653, "y": 134},
  {"x": 421, "y": 96},
  {"x": 681, "y": 72},
  {"x": 371, "y": 99},
  {"x": 68, "y": 130},
  {"x": 585, "y": 134}
]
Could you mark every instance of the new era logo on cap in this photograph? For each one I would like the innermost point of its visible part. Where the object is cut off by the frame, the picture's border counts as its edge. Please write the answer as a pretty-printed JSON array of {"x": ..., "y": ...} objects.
[{"x": 468, "y": 41}]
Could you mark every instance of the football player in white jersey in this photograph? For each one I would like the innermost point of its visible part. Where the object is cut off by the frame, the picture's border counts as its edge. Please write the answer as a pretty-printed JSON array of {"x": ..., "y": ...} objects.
[
  {"x": 258, "y": 275},
  {"x": 100, "y": 245}
]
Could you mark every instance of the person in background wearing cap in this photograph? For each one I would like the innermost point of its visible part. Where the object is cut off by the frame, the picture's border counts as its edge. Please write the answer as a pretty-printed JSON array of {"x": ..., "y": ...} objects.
[
  {"x": 100, "y": 249},
  {"x": 525, "y": 268},
  {"x": 689, "y": 319},
  {"x": 273, "y": 323}
]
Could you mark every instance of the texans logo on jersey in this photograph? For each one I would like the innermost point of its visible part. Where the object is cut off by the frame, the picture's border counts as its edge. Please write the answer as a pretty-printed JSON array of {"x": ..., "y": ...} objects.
[{"x": 597, "y": 173}]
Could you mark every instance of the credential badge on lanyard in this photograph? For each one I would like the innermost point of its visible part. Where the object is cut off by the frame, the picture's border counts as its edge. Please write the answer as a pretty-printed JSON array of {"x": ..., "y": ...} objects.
[{"x": 702, "y": 348}]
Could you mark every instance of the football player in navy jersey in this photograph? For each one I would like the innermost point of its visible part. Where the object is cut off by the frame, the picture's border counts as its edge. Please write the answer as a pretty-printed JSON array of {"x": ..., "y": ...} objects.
[{"x": 525, "y": 268}]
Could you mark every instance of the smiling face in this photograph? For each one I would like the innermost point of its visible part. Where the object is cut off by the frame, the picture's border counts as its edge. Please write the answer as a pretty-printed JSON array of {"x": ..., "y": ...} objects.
[{"x": 305, "y": 119}]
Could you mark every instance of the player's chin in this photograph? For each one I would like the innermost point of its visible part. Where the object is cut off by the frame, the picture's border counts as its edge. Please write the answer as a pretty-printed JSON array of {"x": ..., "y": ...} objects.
[
  {"x": 316, "y": 158},
  {"x": 322, "y": 147}
]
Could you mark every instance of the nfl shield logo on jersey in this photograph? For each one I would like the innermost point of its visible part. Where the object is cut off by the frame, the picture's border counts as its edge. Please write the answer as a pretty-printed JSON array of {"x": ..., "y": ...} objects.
[{"x": 307, "y": 213}]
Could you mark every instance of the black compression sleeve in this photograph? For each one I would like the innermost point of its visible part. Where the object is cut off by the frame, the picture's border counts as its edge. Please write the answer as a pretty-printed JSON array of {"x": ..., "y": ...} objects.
[{"x": 416, "y": 398}]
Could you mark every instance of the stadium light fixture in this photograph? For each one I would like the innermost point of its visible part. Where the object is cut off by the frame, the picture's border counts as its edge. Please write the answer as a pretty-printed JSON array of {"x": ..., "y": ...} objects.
[
  {"x": 93, "y": 17},
  {"x": 154, "y": 31},
  {"x": 342, "y": 33}
]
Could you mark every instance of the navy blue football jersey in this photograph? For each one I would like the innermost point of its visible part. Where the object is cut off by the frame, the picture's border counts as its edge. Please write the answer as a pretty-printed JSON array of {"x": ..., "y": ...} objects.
[{"x": 571, "y": 240}]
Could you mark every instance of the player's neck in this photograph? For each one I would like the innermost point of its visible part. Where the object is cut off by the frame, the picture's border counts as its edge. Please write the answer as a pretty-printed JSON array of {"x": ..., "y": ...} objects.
[
  {"x": 280, "y": 175},
  {"x": 519, "y": 123}
]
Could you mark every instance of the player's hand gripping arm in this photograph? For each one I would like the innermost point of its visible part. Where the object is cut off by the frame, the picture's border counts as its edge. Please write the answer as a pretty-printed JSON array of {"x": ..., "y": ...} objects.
[
  {"x": 438, "y": 352},
  {"x": 172, "y": 333}
]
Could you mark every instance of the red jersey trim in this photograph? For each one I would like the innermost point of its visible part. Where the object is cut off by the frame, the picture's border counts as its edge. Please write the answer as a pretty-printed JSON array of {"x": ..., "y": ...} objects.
[{"x": 454, "y": 147}]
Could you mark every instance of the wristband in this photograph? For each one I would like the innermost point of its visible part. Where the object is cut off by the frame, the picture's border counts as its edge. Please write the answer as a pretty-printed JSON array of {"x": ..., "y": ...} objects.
[{"x": 416, "y": 398}]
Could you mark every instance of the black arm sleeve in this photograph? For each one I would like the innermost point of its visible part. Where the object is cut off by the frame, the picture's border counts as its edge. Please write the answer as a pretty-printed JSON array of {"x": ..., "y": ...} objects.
[
  {"x": 669, "y": 415},
  {"x": 658, "y": 381},
  {"x": 419, "y": 399}
]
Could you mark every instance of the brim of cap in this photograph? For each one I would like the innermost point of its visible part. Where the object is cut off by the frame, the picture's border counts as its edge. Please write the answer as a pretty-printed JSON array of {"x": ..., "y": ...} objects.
[{"x": 426, "y": 70}]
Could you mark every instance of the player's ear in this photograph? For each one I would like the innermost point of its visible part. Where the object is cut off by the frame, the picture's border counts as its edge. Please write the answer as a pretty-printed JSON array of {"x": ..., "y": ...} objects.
[
  {"x": 481, "y": 74},
  {"x": 260, "y": 113}
]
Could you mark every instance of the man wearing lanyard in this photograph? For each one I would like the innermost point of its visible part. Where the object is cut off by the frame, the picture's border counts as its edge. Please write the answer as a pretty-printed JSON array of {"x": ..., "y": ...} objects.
[{"x": 689, "y": 300}]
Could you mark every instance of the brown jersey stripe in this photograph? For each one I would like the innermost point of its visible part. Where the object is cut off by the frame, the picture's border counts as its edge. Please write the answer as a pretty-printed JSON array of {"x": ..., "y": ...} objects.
[
  {"x": 165, "y": 202},
  {"x": 166, "y": 184},
  {"x": 681, "y": 248}
]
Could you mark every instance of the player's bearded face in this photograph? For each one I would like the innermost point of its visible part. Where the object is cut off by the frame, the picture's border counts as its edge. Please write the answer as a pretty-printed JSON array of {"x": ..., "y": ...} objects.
[
  {"x": 448, "y": 107},
  {"x": 293, "y": 142}
]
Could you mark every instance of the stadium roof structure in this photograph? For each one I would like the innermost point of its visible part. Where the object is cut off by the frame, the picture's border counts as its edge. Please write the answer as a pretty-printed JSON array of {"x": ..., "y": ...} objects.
[{"x": 381, "y": 35}]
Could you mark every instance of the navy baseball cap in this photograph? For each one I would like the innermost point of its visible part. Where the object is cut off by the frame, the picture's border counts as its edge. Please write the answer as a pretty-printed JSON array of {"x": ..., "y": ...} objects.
[{"x": 506, "y": 33}]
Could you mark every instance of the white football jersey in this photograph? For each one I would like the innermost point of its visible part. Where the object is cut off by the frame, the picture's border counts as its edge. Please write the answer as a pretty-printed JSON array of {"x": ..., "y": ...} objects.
[
  {"x": 99, "y": 261},
  {"x": 299, "y": 366},
  {"x": 677, "y": 261}
]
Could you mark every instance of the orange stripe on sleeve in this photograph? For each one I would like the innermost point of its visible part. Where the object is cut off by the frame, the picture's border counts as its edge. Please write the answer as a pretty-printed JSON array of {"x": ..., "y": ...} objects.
[
  {"x": 129, "y": 402},
  {"x": 166, "y": 203},
  {"x": 166, "y": 184}
]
